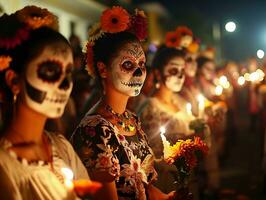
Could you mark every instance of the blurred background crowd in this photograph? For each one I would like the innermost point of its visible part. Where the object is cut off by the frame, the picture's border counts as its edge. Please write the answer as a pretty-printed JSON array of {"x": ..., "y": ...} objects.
[{"x": 224, "y": 81}]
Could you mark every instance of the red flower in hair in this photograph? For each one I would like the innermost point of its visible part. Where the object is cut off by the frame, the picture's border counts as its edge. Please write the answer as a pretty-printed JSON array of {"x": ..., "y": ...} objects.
[
  {"x": 139, "y": 25},
  {"x": 172, "y": 39},
  {"x": 115, "y": 20},
  {"x": 15, "y": 34},
  {"x": 89, "y": 59},
  {"x": 36, "y": 17},
  {"x": 183, "y": 30}
]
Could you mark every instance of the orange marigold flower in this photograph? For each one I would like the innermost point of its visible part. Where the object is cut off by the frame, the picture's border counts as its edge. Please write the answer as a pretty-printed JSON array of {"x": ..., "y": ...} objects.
[
  {"x": 4, "y": 62},
  {"x": 172, "y": 39},
  {"x": 115, "y": 20},
  {"x": 89, "y": 59},
  {"x": 36, "y": 17},
  {"x": 183, "y": 30}
]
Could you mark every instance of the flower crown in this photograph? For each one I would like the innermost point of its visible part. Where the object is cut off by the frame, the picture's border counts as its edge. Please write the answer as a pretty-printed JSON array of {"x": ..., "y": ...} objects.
[
  {"x": 173, "y": 38},
  {"x": 19, "y": 26},
  {"x": 115, "y": 20}
]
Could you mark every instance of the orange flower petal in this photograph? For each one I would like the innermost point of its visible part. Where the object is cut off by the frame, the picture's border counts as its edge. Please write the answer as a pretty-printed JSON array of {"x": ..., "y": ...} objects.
[{"x": 115, "y": 20}]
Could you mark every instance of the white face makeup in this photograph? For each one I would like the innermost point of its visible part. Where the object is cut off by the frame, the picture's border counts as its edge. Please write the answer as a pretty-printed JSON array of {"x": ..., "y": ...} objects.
[
  {"x": 128, "y": 71},
  {"x": 48, "y": 81},
  {"x": 191, "y": 65},
  {"x": 174, "y": 74},
  {"x": 208, "y": 70}
]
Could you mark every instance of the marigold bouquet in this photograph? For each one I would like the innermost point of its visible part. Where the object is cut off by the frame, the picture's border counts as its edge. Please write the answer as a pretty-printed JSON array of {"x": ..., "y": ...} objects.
[{"x": 184, "y": 154}]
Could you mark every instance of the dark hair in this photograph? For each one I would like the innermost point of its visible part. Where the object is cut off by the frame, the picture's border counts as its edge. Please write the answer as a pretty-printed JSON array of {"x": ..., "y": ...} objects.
[
  {"x": 164, "y": 55},
  {"x": 202, "y": 60},
  {"x": 107, "y": 47},
  {"x": 23, "y": 54}
]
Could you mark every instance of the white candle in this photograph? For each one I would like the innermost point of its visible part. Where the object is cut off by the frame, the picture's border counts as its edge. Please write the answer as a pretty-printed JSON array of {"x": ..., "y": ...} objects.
[
  {"x": 68, "y": 175},
  {"x": 201, "y": 102},
  {"x": 166, "y": 145},
  {"x": 189, "y": 109}
]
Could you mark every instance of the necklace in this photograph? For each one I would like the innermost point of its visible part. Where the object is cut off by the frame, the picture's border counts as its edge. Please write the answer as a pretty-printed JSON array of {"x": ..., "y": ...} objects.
[{"x": 124, "y": 121}]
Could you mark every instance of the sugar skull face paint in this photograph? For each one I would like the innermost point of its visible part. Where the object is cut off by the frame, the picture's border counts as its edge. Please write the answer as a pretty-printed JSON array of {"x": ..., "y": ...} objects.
[
  {"x": 174, "y": 74},
  {"x": 208, "y": 70},
  {"x": 191, "y": 65},
  {"x": 128, "y": 70},
  {"x": 48, "y": 81}
]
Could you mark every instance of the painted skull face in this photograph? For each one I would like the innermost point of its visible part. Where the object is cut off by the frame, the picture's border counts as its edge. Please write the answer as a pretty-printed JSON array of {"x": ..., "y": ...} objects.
[
  {"x": 208, "y": 70},
  {"x": 48, "y": 81},
  {"x": 174, "y": 74},
  {"x": 191, "y": 65},
  {"x": 128, "y": 70}
]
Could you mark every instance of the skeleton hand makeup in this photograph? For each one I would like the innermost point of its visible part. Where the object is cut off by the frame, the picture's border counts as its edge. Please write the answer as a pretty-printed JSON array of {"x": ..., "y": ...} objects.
[
  {"x": 48, "y": 81},
  {"x": 128, "y": 70},
  {"x": 174, "y": 74}
]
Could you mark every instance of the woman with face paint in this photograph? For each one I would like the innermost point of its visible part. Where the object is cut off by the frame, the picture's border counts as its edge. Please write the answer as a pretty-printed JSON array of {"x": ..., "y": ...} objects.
[
  {"x": 165, "y": 110},
  {"x": 109, "y": 138},
  {"x": 35, "y": 74}
]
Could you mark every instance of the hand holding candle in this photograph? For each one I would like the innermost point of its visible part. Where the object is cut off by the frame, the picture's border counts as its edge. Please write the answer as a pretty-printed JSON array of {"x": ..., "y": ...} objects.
[{"x": 81, "y": 187}]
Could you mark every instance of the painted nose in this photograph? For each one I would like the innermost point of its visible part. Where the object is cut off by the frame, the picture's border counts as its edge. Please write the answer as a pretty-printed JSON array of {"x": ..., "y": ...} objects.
[
  {"x": 65, "y": 83},
  {"x": 137, "y": 73}
]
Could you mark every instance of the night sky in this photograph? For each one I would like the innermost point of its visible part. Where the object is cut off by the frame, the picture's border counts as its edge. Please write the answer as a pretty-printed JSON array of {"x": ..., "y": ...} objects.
[{"x": 250, "y": 16}]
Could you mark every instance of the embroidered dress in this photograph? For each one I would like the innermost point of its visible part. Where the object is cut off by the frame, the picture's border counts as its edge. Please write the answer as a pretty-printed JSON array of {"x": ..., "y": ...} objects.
[
  {"x": 35, "y": 180},
  {"x": 176, "y": 124},
  {"x": 127, "y": 158}
]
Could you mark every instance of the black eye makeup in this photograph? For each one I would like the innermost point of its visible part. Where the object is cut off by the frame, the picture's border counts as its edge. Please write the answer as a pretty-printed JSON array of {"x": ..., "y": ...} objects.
[
  {"x": 128, "y": 65},
  {"x": 50, "y": 71}
]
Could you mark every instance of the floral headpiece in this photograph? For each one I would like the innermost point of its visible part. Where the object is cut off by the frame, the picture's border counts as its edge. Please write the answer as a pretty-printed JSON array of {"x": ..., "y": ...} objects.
[
  {"x": 194, "y": 46},
  {"x": 173, "y": 38},
  {"x": 21, "y": 23},
  {"x": 115, "y": 20},
  {"x": 19, "y": 26}
]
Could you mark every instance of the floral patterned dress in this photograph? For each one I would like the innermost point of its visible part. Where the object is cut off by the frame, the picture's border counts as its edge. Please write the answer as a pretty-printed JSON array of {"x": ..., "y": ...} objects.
[{"x": 128, "y": 158}]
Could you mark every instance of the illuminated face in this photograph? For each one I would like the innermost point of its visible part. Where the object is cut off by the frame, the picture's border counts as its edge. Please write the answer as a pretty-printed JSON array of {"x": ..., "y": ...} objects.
[
  {"x": 128, "y": 70},
  {"x": 48, "y": 81},
  {"x": 191, "y": 65},
  {"x": 174, "y": 74},
  {"x": 186, "y": 40},
  {"x": 208, "y": 70}
]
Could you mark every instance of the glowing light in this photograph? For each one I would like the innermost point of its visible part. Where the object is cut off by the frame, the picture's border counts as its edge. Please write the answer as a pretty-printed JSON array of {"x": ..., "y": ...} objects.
[
  {"x": 162, "y": 130},
  {"x": 189, "y": 109},
  {"x": 247, "y": 76},
  {"x": 254, "y": 76},
  {"x": 230, "y": 26},
  {"x": 260, "y": 53},
  {"x": 218, "y": 90},
  {"x": 201, "y": 101},
  {"x": 223, "y": 81},
  {"x": 68, "y": 174},
  {"x": 241, "y": 80}
]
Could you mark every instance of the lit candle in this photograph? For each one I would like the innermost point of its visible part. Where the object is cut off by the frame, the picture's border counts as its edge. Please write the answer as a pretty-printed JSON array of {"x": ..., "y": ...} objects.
[
  {"x": 166, "y": 144},
  {"x": 241, "y": 80},
  {"x": 201, "y": 102},
  {"x": 68, "y": 175},
  {"x": 218, "y": 90},
  {"x": 189, "y": 109}
]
